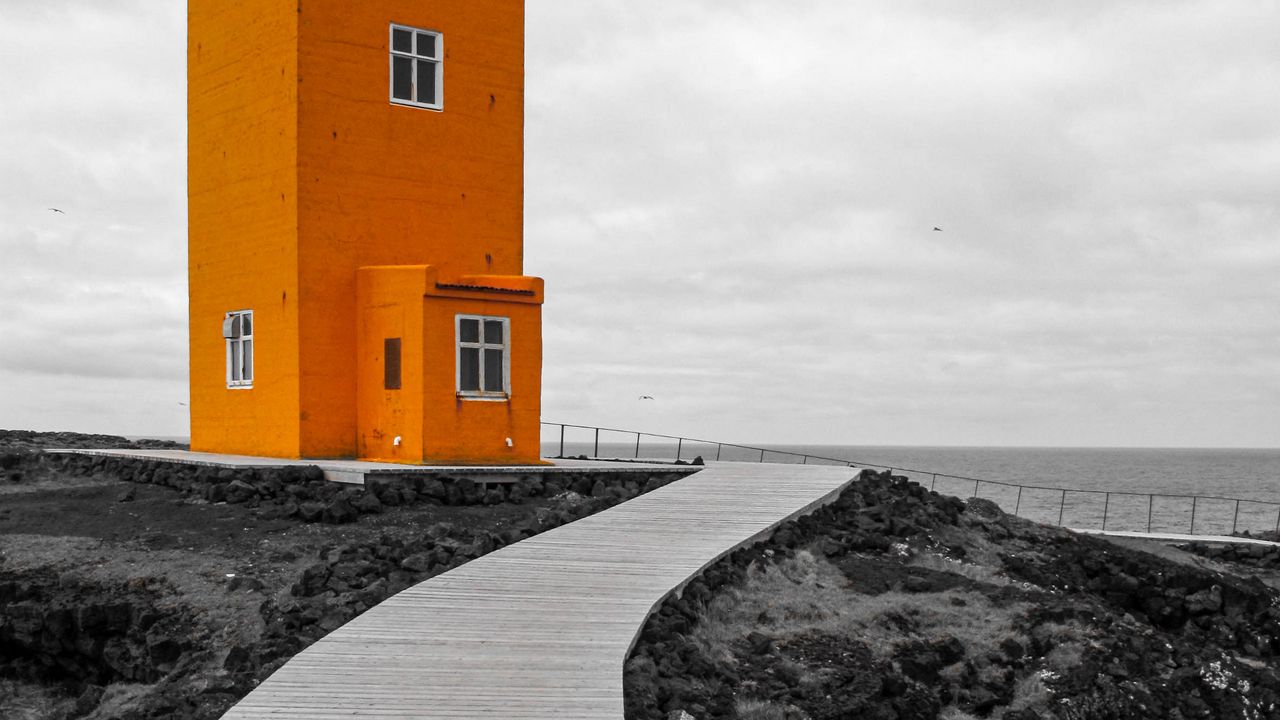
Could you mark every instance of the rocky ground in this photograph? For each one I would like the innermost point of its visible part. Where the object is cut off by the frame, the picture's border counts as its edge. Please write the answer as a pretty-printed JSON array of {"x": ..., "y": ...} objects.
[
  {"x": 1255, "y": 556},
  {"x": 134, "y": 590},
  {"x": 895, "y": 602}
]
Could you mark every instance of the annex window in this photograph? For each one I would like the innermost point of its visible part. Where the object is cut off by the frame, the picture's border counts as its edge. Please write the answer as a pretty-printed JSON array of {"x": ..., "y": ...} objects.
[
  {"x": 483, "y": 362},
  {"x": 417, "y": 67},
  {"x": 237, "y": 330}
]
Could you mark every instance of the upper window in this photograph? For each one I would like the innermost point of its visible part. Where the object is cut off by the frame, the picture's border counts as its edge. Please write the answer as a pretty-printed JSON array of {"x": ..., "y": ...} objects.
[
  {"x": 483, "y": 363},
  {"x": 417, "y": 67},
  {"x": 237, "y": 330}
]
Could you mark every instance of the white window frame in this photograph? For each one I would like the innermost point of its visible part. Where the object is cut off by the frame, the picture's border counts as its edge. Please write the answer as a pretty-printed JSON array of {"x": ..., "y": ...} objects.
[
  {"x": 482, "y": 346},
  {"x": 438, "y": 60},
  {"x": 236, "y": 339}
]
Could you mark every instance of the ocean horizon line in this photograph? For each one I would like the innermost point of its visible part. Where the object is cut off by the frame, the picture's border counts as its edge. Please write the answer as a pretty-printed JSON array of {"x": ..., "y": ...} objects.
[{"x": 787, "y": 446}]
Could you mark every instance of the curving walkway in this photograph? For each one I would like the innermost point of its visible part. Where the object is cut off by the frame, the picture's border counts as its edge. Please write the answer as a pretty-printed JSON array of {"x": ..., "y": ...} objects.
[{"x": 540, "y": 629}]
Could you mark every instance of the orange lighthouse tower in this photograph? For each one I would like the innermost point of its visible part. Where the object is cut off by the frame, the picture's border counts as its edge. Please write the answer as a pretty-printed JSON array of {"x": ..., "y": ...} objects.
[{"x": 356, "y": 231}]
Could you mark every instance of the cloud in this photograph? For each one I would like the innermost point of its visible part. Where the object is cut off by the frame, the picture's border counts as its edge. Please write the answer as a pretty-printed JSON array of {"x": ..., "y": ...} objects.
[
  {"x": 1103, "y": 175},
  {"x": 94, "y": 126}
]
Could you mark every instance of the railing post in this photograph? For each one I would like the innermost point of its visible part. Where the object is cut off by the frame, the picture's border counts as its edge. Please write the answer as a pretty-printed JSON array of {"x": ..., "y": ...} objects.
[
  {"x": 637, "y": 446},
  {"x": 1278, "y": 520},
  {"x": 719, "y": 447},
  {"x": 1018, "y": 505},
  {"x": 1150, "y": 503},
  {"x": 561, "y": 439},
  {"x": 1235, "y": 520},
  {"x": 1106, "y": 507},
  {"x": 596, "y": 452},
  {"x": 975, "y": 487},
  {"x": 679, "y": 448},
  {"x": 806, "y": 460},
  {"x": 761, "y": 454},
  {"x": 934, "y": 483},
  {"x": 1194, "y": 501},
  {"x": 1062, "y": 507}
]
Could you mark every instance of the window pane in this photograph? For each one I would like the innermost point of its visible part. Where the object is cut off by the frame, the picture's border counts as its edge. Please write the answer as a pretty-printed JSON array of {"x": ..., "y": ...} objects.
[
  {"x": 493, "y": 332},
  {"x": 247, "y": 375},
  {"x": 402, "y": 41},
  {"x": 426, "y": 45},
  {"x": 469, "y": 330},
  {"x": 401, "y": 78},
  {"x": 234, "y": 361},
  {"x": 469, "y": 369},
  {"x": 493, "y": 371},
  {"x": 427, "y": 82},
  {"x": 246, "y": 324}
]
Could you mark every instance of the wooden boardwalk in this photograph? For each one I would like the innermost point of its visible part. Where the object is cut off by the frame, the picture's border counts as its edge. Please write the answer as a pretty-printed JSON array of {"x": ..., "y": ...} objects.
[{"x": 540, "y": 629}]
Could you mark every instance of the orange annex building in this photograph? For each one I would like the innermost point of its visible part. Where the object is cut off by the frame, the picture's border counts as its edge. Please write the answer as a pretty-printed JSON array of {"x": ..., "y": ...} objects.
[{"x": 356, "y": 194}]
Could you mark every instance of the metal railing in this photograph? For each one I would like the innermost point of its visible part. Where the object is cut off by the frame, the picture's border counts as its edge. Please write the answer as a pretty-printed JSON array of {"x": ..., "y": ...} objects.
[{"x": 1043, "y": 503}]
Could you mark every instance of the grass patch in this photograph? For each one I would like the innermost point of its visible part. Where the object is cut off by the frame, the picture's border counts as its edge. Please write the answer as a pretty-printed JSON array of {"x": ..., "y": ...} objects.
[
  {"x": 804, "y": 594},
  {"x": 1031, "y": 693},
  {"x": 977, "y": 573},
  {"x": 759, "y": 710},
  {"x": 1068, "y": 642}
]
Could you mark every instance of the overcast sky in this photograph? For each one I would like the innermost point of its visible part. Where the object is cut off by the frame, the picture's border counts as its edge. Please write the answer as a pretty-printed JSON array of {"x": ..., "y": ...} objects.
[{"x": 733, "y": 204}]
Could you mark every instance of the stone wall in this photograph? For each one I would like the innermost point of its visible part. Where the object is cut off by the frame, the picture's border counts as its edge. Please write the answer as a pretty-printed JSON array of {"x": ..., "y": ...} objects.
[{"x": 302, "y": 491}]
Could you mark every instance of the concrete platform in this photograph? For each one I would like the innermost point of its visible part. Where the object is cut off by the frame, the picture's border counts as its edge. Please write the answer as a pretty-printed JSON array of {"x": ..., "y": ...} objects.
[
  {"x": 355, "y": 472},
  {"x": 1177, "y": 537}
]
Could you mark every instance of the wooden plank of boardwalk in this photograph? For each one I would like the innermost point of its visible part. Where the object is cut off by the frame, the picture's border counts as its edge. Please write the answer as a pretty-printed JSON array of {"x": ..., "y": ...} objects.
[{"x": 540, "y": 629}]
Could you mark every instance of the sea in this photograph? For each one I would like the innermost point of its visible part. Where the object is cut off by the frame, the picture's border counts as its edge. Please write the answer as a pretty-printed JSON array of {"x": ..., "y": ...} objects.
[{"x": 1202, "y": 491}]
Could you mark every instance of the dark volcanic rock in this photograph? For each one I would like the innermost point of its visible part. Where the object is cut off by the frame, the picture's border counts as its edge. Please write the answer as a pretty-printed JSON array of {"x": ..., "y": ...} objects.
[
  {"x": 303, "y": 492},
  {"x": 1104, "y": 631},
  {"x": 84, "y": 634}
]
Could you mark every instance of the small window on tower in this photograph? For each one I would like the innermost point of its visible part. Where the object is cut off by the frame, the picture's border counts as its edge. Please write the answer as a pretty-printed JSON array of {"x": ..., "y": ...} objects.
[
  {"x": 417, "y": 67},
  {"x": 237, "y": 332}
]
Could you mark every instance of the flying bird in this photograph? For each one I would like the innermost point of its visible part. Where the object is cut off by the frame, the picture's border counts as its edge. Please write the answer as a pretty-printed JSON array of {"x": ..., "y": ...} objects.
[
  {"x": 56, "y": 210},
  {"x": 646, "y": 397},
  {"x": 937, "y": 229}
]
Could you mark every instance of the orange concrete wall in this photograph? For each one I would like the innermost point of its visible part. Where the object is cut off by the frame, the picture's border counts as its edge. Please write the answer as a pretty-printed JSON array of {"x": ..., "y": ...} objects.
[
  {"x": 382, "y": 184},
  {"x": 389, "y": 305},
  {"x": 467, "y": 431},
  {"x": 242, "y": 186}
]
